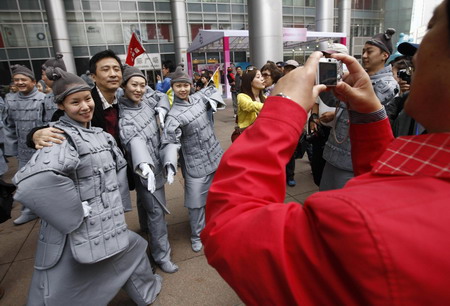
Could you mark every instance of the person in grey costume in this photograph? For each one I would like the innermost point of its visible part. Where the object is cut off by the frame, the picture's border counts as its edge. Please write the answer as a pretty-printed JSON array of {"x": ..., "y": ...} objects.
[
  {"x": 189, "y": 129},
  {"x": 140, "y": 136},
  {"x": 3, "y": 164},
  {"x": 375, "y": 54},
  {"x": 79, "y": 189},
  {"x": 24, "y": 111}
]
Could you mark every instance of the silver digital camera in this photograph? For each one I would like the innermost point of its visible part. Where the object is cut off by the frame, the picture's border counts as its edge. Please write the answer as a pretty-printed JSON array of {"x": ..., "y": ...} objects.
[{"x": 329, "y": 72}]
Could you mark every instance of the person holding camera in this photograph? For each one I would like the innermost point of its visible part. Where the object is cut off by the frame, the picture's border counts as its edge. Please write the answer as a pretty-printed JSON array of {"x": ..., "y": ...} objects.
[
  {"x": 380, "y": 240},
  {"x": 403, "y": 124}
]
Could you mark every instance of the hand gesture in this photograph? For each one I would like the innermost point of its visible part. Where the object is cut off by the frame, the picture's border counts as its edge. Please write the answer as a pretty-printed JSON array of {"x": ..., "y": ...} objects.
[{"x": 356, "y": 90}]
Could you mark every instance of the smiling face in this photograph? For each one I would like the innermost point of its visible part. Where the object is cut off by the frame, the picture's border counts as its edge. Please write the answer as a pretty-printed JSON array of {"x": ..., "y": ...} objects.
[
  {"x": 24, "y": 83},
  {"x": 373, "y": 58},
  {"x": 79, "y": 106},
  {"x": 258, "y": 81},
  {"x": 135, "y": 89},
  {"x": 108, "y": 74},
  {"x": 428, "y": 101},
  {"x": 181, "y": 90}
]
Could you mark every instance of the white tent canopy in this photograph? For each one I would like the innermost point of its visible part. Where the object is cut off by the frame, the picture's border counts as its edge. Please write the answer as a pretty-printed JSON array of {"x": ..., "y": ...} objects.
[{"x": 211, "y": 40}]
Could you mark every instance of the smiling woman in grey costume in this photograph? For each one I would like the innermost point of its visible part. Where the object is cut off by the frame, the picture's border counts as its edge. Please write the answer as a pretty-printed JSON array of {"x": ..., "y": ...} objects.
[
  {"x": 139, "y": 134},
  {"x": 85, "y": 252},
  {"x": 189, "y": 129}
]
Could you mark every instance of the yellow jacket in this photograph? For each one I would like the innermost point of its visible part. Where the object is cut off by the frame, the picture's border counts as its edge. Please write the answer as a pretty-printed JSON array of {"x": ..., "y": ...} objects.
[{"x": 248, "y": 110}]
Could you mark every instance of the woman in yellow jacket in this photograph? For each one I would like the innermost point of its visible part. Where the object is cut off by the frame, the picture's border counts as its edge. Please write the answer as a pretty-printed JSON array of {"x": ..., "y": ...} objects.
[{"x": 250, "y": 100}]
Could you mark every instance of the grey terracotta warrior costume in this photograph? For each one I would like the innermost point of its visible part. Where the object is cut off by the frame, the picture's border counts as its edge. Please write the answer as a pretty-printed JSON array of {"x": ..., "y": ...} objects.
[
  {"x": 85, "y": 252},
  {"x": 140, "y": 136},
  {"x": 189, "y": 129},
  {"x": 22, "y": 113}
]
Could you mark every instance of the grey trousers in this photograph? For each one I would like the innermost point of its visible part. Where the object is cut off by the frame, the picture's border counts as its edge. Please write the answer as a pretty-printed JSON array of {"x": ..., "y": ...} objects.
[
  {"x": 197, "y": 222},
  {"x": 334, "y": 178},
  {"x": 195, "y": 193},
  {"x": 73, "y": 283},
  {"x": 152, "y": 218}
]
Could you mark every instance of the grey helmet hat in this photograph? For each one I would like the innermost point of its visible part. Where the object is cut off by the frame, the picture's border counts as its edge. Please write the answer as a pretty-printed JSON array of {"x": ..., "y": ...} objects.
[
  {"x": 65, "y": 83},
  {"x": 20, "y": 69},
  {"x": 383, "y": 40},
  {"x": 129, "y": 72},
  {"x": 55, "y": 62},
  {"x": 180, "y": 76}
]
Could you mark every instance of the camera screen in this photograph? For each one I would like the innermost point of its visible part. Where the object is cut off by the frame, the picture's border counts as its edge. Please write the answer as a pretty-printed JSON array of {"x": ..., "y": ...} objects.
[{"x": 327, "y": 73}]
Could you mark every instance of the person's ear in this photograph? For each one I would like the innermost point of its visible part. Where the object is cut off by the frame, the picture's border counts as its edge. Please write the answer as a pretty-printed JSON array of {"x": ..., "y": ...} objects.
[{"x": 60, "y": 106}]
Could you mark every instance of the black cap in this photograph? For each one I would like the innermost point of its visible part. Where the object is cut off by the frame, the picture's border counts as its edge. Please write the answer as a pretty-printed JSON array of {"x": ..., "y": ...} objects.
[{"x": 407, "y": 48}]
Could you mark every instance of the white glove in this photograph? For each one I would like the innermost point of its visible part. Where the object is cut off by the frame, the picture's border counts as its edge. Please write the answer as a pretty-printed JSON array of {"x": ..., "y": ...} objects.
[
  {"x": 149, "y": 175},
  {"x": 86, "y": 208},
  {"x": 170, "y": 174},
  {"x": 161, "y": 119}
]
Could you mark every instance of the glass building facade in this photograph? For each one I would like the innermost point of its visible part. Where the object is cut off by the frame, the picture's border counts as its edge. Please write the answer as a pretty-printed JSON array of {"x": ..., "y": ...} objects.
[{"x": 96, "y": 25}]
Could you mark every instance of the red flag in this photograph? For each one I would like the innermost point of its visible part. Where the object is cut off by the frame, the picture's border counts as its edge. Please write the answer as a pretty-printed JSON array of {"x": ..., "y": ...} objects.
[{"x": 134, "y": 50}]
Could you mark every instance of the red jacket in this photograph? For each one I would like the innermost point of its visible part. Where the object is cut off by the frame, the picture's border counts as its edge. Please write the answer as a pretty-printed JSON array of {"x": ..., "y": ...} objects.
[{"x": 383, "y": 239}]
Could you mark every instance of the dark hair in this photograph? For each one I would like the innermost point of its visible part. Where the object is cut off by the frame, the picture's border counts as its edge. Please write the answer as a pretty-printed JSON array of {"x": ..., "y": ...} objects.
[
  {"x": 169, "y": 65},
  {"x": 275, "y": 73},
  {"x": 246, "y": 85},
  {"x": 402, "y": 62},
  {"x": 101, "y": 55}
]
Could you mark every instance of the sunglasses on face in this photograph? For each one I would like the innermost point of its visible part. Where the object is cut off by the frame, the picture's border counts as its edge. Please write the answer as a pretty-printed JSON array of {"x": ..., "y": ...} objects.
[{"x": 266, "y": 75}]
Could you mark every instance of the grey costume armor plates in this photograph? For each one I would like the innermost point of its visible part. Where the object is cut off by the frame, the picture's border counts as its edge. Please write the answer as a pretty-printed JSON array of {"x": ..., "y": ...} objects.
[
  {"x": 87, "y": 167},
  {"x": 188, "y": 125},
  {"x": 22, "y": 113},
  {"x": 139, "y": 134},
  {"x": 3, "y": 165},
  {"x": 49, "y": 107},
  {"x": 384, "y": 85}
]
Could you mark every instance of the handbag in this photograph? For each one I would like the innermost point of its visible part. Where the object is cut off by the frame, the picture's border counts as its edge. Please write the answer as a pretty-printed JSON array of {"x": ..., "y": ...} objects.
[{"x": 237, "y": 131}]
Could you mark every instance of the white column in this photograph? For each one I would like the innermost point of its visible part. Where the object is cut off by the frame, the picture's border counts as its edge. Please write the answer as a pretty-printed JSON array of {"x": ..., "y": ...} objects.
[
  {"x": 265, "y": 21},
  {"x": 56, "y": 15}
]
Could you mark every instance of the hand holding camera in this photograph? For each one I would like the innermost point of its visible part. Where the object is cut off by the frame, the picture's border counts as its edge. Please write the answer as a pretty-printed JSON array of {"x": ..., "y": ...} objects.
[{"x": 356, "y": 89}]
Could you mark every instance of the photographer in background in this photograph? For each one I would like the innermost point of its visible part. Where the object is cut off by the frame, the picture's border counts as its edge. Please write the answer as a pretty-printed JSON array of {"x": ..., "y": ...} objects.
[{"x": 402, "y": 124}]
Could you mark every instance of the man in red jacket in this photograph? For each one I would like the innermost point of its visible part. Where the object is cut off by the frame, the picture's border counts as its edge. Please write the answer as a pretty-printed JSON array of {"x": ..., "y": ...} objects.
[{"x": 383, "y": 238}]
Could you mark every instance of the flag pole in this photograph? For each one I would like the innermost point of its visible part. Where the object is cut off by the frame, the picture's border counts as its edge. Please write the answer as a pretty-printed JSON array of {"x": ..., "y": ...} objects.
[
  {"x": 212, "y": 78},
  {"x": 151, "y": 62}
]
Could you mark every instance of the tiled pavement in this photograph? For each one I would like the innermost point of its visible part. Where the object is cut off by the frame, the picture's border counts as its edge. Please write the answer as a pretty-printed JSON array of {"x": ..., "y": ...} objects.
[{"x": 196, "y": 283}]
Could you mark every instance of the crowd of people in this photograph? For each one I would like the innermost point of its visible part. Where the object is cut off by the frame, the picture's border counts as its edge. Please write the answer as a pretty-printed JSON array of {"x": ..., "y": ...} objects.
[{"x": 370, "y": 239}]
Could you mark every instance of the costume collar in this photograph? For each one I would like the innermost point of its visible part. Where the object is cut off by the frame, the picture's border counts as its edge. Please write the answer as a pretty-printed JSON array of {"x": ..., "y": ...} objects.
[{"x": 421, "y": 155}]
